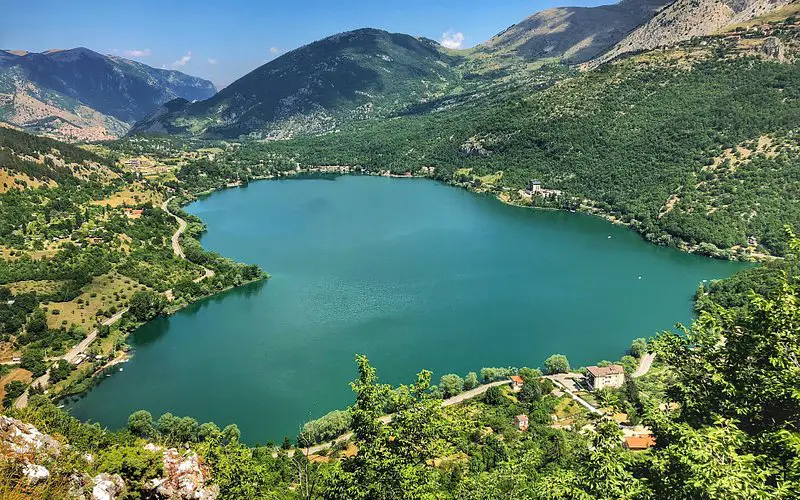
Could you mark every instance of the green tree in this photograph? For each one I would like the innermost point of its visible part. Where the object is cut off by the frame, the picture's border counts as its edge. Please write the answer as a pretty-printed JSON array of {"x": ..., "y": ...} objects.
[
  {"x": 60, "y": 370},
  {"x": 471, "y": 381},
  {"x": 146, "y": 304},
  {"x": 140, "y": 423},
  {"x": 557, "y": 363},
  {"x": 13, "y": 390},
  {"x": 638, "y": 348},
  {"x": 451, "y": 385}
]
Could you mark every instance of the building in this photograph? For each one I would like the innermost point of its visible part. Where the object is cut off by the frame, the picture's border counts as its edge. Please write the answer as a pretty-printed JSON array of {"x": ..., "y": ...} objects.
[
  {"x": 601, "y": 377},
  {"x": 535, "y": 187},
  {"x": 521, "y": 422},
  {"x": 516, "y": 383},
  {"x": 639, "y": 443},
  {"x": 133, "y": 213}
]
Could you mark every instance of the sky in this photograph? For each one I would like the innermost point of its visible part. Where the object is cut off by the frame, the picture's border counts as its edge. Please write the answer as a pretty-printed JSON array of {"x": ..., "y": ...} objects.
[{"x": 222, "y": 40}]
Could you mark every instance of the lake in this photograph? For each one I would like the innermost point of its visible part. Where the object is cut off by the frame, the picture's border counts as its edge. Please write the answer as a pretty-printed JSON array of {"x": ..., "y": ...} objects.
[{"x": 412, "y": 273}]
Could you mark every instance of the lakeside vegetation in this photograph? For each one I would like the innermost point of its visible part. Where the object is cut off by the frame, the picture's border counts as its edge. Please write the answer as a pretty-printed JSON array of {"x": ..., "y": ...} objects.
[{"x": 736, "y": 439}]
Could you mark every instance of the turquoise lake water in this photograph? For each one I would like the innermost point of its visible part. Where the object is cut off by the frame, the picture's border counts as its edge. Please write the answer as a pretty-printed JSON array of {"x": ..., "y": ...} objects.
[{"x": 413, "y": 273}]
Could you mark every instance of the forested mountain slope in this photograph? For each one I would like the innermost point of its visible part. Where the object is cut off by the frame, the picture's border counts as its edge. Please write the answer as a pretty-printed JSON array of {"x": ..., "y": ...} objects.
[
  {"x": 31, "y": 161},
  {"x": 691, "y": 145},
  {"x": 571, "y": 34},
  {"x": 355, "y": 75},
  {"x": 80, "y": 94}
]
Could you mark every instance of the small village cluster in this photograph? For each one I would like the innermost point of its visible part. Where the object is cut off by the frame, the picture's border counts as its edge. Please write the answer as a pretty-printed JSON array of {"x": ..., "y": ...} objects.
[{"x": 635, "y": 438}]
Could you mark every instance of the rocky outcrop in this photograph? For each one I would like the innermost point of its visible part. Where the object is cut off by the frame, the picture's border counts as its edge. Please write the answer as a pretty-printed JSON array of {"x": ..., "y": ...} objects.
[
  {"x": 685, "y": 19},
  {"x": 185, "y": 476},
  {"x": 773, "y": 49},
  {"x": 103, "y": 486},
  {"x": 25, "y": 442}
]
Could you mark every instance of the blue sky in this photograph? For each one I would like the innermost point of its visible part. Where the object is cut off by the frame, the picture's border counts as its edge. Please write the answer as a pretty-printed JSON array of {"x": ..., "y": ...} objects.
[{"x": 224, "y": 39}]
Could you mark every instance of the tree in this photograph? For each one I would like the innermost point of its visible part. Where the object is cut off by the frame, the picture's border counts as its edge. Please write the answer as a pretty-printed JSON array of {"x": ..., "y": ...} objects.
[
  {"x": 493, "y": 396},
  {"x": 140, "y": 423},
  {"x": 146, "y": 304},
  {"x": 471, "y": 381},
  {"x": 638, "y": 348},
  {"x": 60, "y": 371},
  {"x": 13, "y": 389},
  {"x": 103, "y": 331},
  {"x": 557, "y": 363},
  {"x": 451, "y": 385},
  {"x": 207, "y": 431},
  {"x": 33, "y": 361},
  {"x": 628, "y": 363},
  {"x": 231, "y": 434},
  {"x": 392, "y": 459}
]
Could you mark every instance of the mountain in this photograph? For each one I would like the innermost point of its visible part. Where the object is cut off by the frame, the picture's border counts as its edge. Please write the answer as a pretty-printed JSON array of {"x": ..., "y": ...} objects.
[
  {"x": 685, "y": 19},
  {"x": 354, "y": 75},
  {"x": 572, "y": 34},
  {"x": 80, "y": 94}
]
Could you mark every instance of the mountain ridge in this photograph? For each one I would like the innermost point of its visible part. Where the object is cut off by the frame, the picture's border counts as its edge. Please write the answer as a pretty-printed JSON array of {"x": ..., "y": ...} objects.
[
  {"x": 572, "y": 34},
  {"x": 80, "y": 94},
  {"x": 351, "y": 75}
]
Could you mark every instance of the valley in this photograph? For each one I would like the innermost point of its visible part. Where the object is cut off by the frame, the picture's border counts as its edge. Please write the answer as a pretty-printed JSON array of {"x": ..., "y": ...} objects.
[{"x": 427, "y": 207}]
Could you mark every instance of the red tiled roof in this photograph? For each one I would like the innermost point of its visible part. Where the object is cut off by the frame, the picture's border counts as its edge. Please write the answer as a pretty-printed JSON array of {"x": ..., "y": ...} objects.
[
  {"x": 603, "y": 371},
  {"x": 516, "y": 379},
  {"x": 640, "y": 442}
]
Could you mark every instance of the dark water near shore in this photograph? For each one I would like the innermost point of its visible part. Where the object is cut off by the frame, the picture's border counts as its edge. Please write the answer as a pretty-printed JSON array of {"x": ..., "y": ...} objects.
[{"x": 414, "y": 274}]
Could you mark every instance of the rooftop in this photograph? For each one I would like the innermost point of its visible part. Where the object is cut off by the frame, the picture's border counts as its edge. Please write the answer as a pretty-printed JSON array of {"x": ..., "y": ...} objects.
[
  {"x": 516, "y": 379},
  {"x": 604, "y": 371},
  {"x": 640, "y": 442}
]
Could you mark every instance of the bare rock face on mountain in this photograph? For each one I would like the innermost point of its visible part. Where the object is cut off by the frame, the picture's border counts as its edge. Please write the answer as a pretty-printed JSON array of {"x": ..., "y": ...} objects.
[
  {"x": 774, "y": 49},
  {"x": 572, "y": 34},
  {"x": 685, "y": 19}
]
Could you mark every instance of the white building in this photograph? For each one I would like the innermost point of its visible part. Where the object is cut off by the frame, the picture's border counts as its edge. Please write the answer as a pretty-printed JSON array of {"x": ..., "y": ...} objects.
[{"x": 601, "y": 377}]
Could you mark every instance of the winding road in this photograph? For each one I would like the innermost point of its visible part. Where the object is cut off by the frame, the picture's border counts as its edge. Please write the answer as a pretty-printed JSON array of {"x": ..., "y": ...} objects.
[{"x": 176, "y": 241}]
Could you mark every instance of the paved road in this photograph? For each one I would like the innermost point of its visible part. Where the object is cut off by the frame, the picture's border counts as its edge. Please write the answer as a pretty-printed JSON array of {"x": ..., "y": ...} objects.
[
  {"x": 70, "y": 357},
  {"x": 176, "y": 244},
  {"x": 464, "y": 396},
  {"x": 644, "y": 364},
  {"x": 574, "y": 396}
]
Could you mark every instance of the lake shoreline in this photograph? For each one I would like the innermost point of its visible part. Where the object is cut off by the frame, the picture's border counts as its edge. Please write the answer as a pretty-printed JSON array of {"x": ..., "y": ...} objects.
[
  {"x": 271, "y": 319},
  {"x": 587, "y": 206}
]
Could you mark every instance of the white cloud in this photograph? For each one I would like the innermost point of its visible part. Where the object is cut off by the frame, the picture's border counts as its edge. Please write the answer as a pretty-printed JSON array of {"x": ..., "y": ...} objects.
[
  {"x": 183, "y": 61},
  {"x": 452, "y": 39},
  {"x": 212, "y": 61},
  {"x": 138, "y": 53},
  {"x": 275, "y": 50}
]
